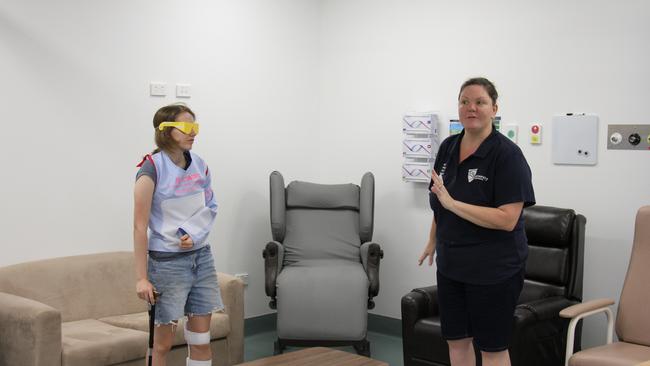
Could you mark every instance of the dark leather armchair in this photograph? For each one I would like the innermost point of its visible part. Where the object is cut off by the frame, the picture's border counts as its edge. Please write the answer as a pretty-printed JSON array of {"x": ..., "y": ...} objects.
[{"x": 553, "y": 281}]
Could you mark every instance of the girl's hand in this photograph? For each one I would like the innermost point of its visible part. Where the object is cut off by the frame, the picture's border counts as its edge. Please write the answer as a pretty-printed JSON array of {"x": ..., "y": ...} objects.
[
  {"x": 186, "y": 242},
  {"x": 438, "y": 188},
  {"x": 145, "y": 290},
  {"x": 428, "y": 252}
]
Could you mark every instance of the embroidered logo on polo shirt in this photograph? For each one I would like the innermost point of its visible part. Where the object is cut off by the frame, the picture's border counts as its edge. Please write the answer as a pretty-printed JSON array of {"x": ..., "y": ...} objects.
[{"x": 471, "y": 175}]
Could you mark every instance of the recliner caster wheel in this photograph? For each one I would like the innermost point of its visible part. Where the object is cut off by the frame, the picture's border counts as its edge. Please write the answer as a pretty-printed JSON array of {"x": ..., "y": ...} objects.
[
  {"x": 277, "y": 348},
  {"x": 363, "y": 348}
]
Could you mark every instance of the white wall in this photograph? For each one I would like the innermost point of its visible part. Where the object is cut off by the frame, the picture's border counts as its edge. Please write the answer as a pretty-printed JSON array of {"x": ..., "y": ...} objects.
[
  {"x": 269, "y": 76},
  {"x": 380, "y": 59},
  {"x": 75, "y": 78}
]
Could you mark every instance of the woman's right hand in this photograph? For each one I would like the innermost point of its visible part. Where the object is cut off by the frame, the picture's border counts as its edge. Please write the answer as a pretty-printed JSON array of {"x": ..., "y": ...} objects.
[
  {"x": 428, "y": 252},
  {"x": 145, "y": 290}
]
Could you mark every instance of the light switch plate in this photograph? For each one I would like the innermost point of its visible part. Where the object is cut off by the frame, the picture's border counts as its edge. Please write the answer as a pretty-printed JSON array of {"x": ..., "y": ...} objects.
[{"x": 157, "y": 89}]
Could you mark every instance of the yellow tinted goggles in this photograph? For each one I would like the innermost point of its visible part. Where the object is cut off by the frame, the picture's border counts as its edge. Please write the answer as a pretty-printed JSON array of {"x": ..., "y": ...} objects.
[{"x": 184, "y": 127}]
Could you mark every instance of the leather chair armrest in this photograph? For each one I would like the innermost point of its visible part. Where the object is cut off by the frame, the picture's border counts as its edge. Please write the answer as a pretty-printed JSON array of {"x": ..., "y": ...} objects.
[
  {"x": 541, "y": 309},
  {"x": 30, "y": 332},
  {"x": 232, "y": 294},
  {"x": 273, "y": 257},
  {"x": 371, "y": 255},
  {"x": 420, "y": 303}
]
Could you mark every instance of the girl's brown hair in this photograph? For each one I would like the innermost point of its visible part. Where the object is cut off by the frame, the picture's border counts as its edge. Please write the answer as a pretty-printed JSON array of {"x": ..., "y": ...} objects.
[{"x": 168, "y": 113}]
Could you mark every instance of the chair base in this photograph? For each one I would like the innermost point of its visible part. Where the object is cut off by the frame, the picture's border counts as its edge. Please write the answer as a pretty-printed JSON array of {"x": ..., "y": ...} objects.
[{"x": 362, "y": 346}]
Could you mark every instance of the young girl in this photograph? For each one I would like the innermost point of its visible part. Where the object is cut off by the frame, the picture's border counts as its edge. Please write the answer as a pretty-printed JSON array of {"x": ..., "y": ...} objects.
[{"x": 174, "y": 202}]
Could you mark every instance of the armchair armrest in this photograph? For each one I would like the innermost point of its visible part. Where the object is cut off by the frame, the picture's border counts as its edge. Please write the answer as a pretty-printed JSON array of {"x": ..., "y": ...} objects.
[
  {"x": 540, "y": 310},
  {"x": 232, "y": 294},
  {"x": 30, "y": 332},
  {"x": 420, "y": 303},
  {"x": 585, "y": 307},
  {"x": 273, "y": 257},
  {"x": 371, "y": 255},
  {"x": 579, "y": 311}
]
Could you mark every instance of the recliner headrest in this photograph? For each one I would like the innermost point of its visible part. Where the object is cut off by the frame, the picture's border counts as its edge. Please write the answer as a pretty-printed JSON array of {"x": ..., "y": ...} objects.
[
  {"x": 549, "y": 226},
  {"x": 322, "y": 196}
]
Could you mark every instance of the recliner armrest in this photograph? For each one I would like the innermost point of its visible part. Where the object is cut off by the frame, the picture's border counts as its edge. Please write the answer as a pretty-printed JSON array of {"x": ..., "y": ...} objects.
[
  {"x": 540, "y": 310},
  {"x": 273, "y": 257},
  {"x": 371, "y": 254},
  {"x": 420, "y": 303},
  {"x": 30, "y": 332}
]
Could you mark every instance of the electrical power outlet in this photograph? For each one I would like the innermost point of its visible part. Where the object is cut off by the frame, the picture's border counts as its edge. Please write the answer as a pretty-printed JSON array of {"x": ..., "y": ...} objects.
[
  {"x": 157, "y": 89},
  {"x": 243, "y": 277},
  {"x": 183, "y": 90}
]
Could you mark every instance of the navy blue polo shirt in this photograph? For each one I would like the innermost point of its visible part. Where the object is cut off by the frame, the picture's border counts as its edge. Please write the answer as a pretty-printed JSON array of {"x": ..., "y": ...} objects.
[{"x": 495, "y": 174}]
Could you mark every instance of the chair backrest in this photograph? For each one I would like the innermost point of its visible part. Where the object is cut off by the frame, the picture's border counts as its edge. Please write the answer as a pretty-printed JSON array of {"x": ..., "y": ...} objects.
[
  {"x": 633, "y": 320},
  {"x": 555, "y": 253},
  {"x": 321, "y": 221}
]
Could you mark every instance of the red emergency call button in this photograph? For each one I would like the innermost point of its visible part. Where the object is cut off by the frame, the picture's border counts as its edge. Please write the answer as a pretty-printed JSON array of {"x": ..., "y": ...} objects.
[{"x": 535, "y": 129}]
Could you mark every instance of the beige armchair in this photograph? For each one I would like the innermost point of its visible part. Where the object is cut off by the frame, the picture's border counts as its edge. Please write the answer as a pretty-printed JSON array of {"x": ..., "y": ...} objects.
[
  {"x": 633, "y": 320},
  {"x": 83, "y": 310}
]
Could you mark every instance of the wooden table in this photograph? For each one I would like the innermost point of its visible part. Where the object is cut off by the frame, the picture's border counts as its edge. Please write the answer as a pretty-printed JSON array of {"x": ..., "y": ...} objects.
[{"x": 316, "y": 356}]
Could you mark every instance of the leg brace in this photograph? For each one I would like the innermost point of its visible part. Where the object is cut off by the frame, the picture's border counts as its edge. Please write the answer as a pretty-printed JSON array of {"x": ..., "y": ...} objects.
[{"x": 192, "y": 338}]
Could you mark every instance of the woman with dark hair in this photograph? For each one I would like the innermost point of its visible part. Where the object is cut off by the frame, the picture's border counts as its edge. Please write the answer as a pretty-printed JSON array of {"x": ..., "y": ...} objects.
[
  {"x": 174, "y": 211},
  {"x": 480, "y": 184}
]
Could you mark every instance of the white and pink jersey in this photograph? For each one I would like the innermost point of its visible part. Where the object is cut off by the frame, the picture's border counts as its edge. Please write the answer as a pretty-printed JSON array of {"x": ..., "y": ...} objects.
[{"x": 183, "y": 201}]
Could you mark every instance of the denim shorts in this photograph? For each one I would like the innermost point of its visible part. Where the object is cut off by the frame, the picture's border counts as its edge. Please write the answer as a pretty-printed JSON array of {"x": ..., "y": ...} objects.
[
  {"x": 187, "y": 282},
  {"x": 484, "y": 312}
]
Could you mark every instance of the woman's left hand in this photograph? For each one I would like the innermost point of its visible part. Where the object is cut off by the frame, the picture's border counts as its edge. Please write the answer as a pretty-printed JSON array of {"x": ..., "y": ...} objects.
[{"x": 438, "y": 188}]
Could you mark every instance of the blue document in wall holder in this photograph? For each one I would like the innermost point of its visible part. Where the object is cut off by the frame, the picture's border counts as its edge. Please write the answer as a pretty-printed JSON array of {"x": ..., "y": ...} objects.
[{"x": 575, "y": 139}]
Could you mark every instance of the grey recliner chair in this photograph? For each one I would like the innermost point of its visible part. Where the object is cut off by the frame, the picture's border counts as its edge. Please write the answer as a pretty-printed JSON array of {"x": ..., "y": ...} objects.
[{"x": 322, "y": 268}]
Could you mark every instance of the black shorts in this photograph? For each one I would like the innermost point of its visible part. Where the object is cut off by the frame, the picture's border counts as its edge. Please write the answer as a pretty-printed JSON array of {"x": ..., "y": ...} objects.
[{"x": 484, "y": 312}]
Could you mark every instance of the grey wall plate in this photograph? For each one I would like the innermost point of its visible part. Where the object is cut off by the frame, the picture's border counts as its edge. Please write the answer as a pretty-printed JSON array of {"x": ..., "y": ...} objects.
[{"x": 628, "y": 137}]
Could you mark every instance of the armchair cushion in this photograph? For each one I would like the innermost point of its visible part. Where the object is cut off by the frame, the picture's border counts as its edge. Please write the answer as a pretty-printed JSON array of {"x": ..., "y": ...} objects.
[
  {"x": 547, "y": 264},
  {"x": 321, "y": 234},
  {"x": 310, "y": 290},
  {"x": 549, "y": 226},
  {"x": 322, "y": 196},
  {"x": 91, "y": 342},
  {"x": 615, "y": 354},
  {"x": 219, "y": 325}
]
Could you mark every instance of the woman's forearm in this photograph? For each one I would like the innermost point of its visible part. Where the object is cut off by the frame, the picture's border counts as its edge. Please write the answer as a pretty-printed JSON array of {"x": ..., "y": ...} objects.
[{"x": 504, "y": 217}]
